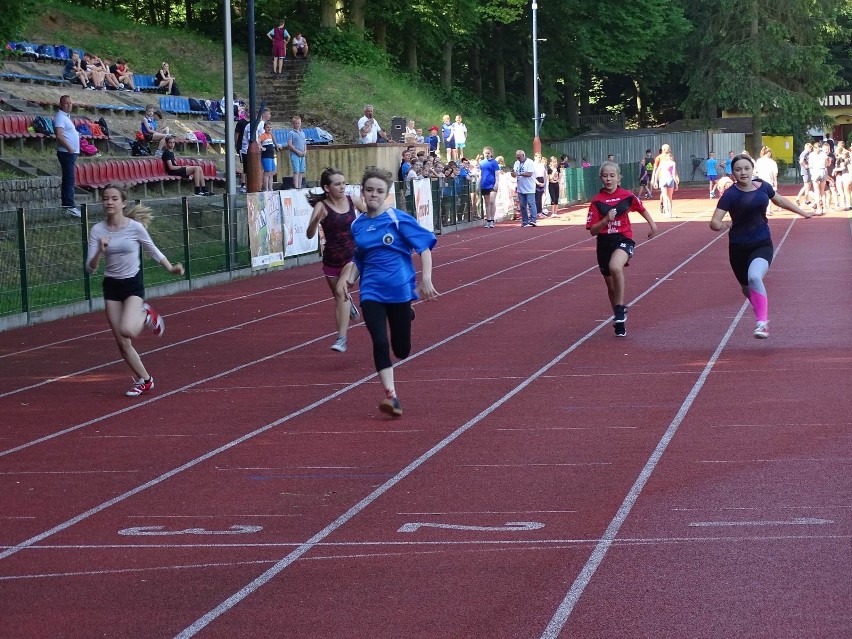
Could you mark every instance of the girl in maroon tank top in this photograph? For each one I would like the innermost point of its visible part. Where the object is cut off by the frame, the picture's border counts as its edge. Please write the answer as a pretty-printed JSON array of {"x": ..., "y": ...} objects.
[{"x": 334, "y": 211}]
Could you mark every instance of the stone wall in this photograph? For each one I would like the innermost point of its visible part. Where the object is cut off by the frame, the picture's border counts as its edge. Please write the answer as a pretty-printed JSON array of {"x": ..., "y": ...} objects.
[{"x": 35, "y": 193}]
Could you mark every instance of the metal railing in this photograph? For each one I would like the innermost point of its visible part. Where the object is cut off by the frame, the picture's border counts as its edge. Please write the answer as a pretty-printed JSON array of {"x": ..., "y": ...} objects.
[{"x": 43, "y": 251}]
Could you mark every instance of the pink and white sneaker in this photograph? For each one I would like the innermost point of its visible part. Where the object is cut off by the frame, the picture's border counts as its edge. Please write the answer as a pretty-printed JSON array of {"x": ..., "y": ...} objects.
[
  {"x": 141, "y": 386},
  {"x": 154, "y": 320}
]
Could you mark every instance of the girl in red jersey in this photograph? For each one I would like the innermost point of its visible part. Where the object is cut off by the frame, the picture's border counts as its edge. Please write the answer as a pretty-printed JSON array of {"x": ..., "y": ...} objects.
[
  {"x": 609, "y": 221},
  {"x": 334, "y": 211}
]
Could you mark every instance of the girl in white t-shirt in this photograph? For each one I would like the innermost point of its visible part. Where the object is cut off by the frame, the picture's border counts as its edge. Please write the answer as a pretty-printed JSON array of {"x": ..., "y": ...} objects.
[
  {"x": 118, "y": 239},
  {"x": 460, "y": 136}
]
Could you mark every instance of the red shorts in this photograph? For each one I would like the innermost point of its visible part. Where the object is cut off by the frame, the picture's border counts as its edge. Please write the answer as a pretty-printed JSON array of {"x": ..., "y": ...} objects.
[
  {"x": 332, "y": 271},
  {"x": 279, "y": 49}
]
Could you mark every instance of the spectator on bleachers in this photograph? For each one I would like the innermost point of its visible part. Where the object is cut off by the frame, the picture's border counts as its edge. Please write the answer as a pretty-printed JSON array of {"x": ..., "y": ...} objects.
[
  {"x": 73, "y": 71},
  {"x": 96, "y": 75},
  {"x": 196, "y": 173},
  {"x": 369, "y": 131},
  {"x": 67, "y": 150},
  {"x": 165, "y": 80},
  {"x": 299, "y": 46},
  {"x": 280, "y": 38},
  {"x": 110, "y": 81},
  {"x": 151, "y": 131},
  {"x": 123, "y": 73}
]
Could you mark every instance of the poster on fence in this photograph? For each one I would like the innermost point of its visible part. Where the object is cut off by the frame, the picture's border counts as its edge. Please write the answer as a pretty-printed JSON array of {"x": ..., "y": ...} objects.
[
  {"x": 423, "y": 203},
  {"x": 506, "y": 203},
  {"x": 266, "y": 238},
  {"x": 295, "y": 215}
]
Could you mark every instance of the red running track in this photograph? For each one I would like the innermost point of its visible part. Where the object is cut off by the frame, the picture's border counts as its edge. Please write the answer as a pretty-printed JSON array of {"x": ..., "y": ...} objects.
[{"x": 547, "y": 479}]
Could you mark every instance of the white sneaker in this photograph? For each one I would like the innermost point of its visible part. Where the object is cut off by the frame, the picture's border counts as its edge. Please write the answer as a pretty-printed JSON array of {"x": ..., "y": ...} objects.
[
  {"x": 761, "y": 331},
  {"x": 339, "y": 344},
  {"x": 73, "y": 211}
]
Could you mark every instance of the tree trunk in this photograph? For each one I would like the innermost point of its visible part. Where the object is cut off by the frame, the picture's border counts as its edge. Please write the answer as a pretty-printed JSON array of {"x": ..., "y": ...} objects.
[
  {"x": 640, "y": 115},
  {"x": 756, "y": 117},
  {"x": 356, "y": 17},
  {"x": 498, "y": 65},
  {"x": 447, "y": 68},
  {"x": 328, "y": 14},
  {"x": 411, "y": 55},
  {"x": 188, "y": 8},
  {"x": 380, "y": 35},
  {"x": 476, "y": 72},
  {"x": 572, "y": 107}
]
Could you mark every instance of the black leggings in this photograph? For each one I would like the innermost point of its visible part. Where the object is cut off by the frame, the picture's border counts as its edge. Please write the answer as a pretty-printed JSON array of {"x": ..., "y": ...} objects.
[{"x": 378, "y": 316}]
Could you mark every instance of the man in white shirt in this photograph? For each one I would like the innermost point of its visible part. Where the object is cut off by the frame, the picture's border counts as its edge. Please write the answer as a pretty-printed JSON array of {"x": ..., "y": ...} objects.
[
  {"x": 369, "y": 130},
  {"x": 67, "y": 150},
  {"x": 523, "y": 170}
]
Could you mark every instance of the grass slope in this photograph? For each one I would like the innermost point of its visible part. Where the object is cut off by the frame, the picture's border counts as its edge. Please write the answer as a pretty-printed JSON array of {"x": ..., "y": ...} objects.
[{"x": 333, "y": 95}]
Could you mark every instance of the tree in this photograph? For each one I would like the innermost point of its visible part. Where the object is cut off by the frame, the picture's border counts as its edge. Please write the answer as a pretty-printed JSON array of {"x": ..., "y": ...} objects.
[
  {"x": 12, "y": 18},
  {"x": 768, "y": 60}
]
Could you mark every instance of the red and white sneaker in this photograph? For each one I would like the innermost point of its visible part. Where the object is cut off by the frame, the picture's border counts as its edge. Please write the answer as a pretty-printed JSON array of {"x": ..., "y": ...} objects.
[
  {"x": 141, "y": 386},
  {"x": 154, "y": 320}
]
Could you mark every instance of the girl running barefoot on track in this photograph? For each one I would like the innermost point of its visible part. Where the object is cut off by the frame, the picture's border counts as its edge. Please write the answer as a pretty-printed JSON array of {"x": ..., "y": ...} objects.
[
  {"x": 384, "y": 239},
  {"x": 750, "y": 244},
  {"x": 334, "y": 211},
  {"x": 118, "y": 239},
  {"x": 609, "y": 220}
]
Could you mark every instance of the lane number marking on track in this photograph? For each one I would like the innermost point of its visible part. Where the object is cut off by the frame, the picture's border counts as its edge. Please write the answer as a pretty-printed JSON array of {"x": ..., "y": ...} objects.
[
  {"x": 508, "y": 526},
  {"x": 160, "y": 531}
]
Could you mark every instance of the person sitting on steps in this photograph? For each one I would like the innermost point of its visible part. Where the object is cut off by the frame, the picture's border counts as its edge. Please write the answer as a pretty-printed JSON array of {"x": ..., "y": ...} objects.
[
  {"x": 299, "y": 46},
  {"x": 196, "y": 173},
  {"x": 150, "y": 130},
  {"x": 165, "y": 80}
]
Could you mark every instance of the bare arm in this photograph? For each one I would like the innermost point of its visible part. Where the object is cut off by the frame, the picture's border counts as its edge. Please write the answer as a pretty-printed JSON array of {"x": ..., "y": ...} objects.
[
  {"x": 717, "y": 223},
  {"x": 317, "y": 216},
  {"x": 784, "y": 203},
  {"x": 425, "y": 288}
]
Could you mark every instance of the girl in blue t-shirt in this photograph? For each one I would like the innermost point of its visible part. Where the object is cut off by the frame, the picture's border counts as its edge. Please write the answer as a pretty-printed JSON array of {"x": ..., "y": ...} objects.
[
  {"x": 488, "y": 170},
  {"x": 384, "y": 240},
  {"x": 749, "y": 241}
]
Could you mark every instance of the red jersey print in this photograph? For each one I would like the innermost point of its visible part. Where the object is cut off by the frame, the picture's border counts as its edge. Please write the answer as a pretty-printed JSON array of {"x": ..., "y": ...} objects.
[{"x": 623, "y": 201}]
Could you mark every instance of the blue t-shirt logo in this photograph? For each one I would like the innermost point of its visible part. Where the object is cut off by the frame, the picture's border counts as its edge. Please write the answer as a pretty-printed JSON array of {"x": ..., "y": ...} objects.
[{"x": 388, "y": 239}]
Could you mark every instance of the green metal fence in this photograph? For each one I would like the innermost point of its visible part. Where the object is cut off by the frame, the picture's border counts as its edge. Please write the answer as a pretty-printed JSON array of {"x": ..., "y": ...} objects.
[{"x": 43, "y": 251}]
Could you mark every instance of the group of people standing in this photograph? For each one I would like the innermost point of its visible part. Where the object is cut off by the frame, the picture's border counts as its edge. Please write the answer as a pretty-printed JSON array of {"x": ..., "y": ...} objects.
[{"x": 826, "y": 170}]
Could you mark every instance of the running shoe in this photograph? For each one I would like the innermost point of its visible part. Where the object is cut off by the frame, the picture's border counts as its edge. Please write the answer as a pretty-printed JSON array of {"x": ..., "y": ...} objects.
[
  {"x": 391, "y": 406},
  {"x": 761, "y": 331},
  {"x": 154, "y": 320},
  {"x": 620, "y": 321},
  {"x": 339, "y": 344},
  {"x": 140, "y": 386},
  {"x": 73, "y": 211},
  {"x": 353, "y": 310}
]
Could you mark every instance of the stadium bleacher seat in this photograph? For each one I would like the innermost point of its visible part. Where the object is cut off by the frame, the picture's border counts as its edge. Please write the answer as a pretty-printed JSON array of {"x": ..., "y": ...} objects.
[
  {"x": 178, "y": 104},
  {"x": 145, "y": 82},
  {"x": 135, "y": 171},
  {"x": 23, "y": 77}
]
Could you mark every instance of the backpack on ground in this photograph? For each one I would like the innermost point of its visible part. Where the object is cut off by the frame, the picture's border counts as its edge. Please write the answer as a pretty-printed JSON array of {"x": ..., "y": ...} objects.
[
  {"x": 104, "y": 127},
  {"x": 43, "y": 125},
  {"x": 139, "y": 148}
]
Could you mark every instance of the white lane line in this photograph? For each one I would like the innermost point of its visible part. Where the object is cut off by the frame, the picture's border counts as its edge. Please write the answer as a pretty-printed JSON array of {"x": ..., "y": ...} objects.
[
  {"x": 622, "y": 541},
  {"x": 566, "y": 607},
  {"x": 291, "y": 558},
  {"x": 411, "y": 549}
]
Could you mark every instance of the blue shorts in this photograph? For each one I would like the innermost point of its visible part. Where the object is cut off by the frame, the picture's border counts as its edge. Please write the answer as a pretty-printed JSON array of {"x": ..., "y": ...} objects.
[
  {"x": 268, "y": 165},
  {"x": 298, "y": 163},
  {"x": 712, "y": 177}
]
